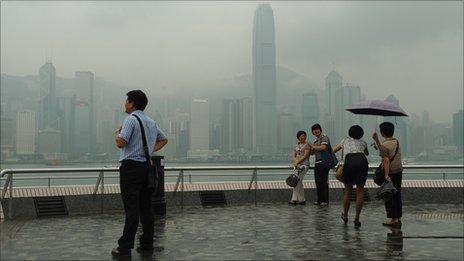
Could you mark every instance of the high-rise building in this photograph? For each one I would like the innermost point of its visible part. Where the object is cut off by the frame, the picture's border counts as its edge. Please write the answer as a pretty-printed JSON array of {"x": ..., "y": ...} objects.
[
  {"x": 333, "y": 82},
  {"x": 309, "y": 111},
  {"x": 401, "y": 128},
  {"x": 66, "y": 112},
  {"x": 26, "y": 131},
  {"x": 246, "y": 124},
  {"x": 230, "y": 126},
  {"x": 47, "y": 97},
  {"x": 85, "y": 117},
  {"x": 458, "y": 125},
  {"x": 286, "y": 132},
  {"x": 199, "y": 128},
  {"x": 7, "y": 137},
  {"x": 345, "y": 97},
  {"x": 264, "y": 80}
]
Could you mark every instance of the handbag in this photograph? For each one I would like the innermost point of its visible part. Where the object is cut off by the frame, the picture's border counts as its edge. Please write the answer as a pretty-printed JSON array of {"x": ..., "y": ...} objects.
[
  {"x": 329, "y": 160},
  {"x": 339, "y": 168},
  {"x": 152, "y": 181},
  {"x": 386, "y": 191},
  {"x": 379, "y": 174},
  {"x": 294, "y": 178}
]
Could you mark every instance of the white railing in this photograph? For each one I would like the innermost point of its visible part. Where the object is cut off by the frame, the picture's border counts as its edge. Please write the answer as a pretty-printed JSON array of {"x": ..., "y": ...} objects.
[{"x": 9, "y": 173}]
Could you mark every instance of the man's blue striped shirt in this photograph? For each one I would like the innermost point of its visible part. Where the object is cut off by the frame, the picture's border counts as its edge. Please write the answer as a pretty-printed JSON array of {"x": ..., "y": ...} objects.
[{"x": 131, "y": 133}]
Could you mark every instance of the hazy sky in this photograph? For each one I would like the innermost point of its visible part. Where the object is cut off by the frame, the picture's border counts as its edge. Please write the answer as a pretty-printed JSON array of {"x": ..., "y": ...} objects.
[{"x": 413, "y": 50}]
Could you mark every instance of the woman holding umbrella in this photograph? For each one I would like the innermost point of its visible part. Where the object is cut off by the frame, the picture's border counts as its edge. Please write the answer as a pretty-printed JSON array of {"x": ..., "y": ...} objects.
[{"x": 389, "y": 151}]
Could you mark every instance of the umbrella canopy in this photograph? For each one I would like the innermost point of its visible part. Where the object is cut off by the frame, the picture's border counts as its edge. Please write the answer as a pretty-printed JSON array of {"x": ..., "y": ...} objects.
[{"x": 377, "y": 107}]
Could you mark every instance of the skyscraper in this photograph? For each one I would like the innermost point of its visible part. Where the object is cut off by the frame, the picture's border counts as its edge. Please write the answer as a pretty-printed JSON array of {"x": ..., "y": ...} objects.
[
  {"x": 286, "y": 132},
  {"x": 26, "y": 132},
  {"x": 458, "y": 126},
  {"x": 264, "y": 80},
  {"x": 333, "y": 83},
  {"x": 230, "y": 125},
  {"x": 401, "y": 128},
  {"x": 246, "y": 124},
  {"x": 345, "y": 97},
  {"x": 199, "y": 127},
  {"x": 85, "y": 132},
  {"x": 47, "y": 97},
  {"x": 309, "y": 111}
]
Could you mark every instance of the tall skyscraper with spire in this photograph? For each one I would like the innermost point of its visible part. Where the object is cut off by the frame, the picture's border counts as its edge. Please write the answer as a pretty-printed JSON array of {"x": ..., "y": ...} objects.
[
  {"x": 333, "y": 83},
  {"x": 47, "y": 112},
  {"x": 264, "y": 81}
]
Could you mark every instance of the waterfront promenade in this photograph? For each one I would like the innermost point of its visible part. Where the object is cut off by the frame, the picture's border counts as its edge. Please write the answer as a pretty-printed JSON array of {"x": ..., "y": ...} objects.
[{"x": 246, "y": 232}]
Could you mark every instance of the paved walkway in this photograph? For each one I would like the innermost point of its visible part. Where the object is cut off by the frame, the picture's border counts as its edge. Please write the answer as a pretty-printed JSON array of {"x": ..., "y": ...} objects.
[{"x": 275, "y": 231}]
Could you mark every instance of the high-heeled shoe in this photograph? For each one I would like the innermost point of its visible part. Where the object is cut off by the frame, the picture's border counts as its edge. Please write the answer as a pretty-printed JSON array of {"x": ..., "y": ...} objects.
[
  {"x": 357, "y": 223},
  {"x": 344, "y": 218}
]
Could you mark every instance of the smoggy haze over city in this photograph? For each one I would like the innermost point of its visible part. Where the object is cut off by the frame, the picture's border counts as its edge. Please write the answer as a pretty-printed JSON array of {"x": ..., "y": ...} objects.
[{"x": 413, "y": 50}]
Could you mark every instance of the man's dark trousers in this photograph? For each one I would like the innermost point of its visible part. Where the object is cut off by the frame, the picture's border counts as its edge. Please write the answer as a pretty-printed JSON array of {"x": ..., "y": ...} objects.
[
  {"x": 136, "y": 198},
  {"x": 321, "y": 176}
]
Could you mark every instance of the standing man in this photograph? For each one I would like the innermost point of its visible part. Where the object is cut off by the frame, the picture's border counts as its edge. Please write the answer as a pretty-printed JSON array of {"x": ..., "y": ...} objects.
[
  {"x": 321, "y": 170},
  {"x": 133, "y": 173}
]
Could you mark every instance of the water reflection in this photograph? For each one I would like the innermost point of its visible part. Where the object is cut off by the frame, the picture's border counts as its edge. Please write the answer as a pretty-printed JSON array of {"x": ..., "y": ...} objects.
[{"x": 394, "y": 243}]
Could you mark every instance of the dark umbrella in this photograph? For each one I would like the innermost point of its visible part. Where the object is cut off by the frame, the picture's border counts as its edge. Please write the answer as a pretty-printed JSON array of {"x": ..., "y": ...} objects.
[{"x": 377, "y": 107}]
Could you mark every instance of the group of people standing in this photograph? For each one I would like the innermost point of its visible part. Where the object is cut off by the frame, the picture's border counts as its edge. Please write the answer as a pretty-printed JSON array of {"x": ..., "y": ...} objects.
[{"x": 355, "y": 168}]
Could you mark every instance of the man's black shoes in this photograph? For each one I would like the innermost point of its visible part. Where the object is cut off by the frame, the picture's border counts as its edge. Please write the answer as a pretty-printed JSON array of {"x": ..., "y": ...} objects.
[
  {"x": 116, "y": 252},
  {"x": 145, "y": 250}
]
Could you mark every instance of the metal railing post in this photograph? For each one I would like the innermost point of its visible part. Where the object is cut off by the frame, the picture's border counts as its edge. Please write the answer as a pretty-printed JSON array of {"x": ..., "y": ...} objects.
[
  {"x": 10, "y": 204},
  {"x": 256, "y": 186},
  {"x": 102, "y": 189},
  {"x": 444, "y": 176},
  {"x": 99, "y": 179},
  {"x": 48, "y": 181},
  {"x": 182, "y": 189}
]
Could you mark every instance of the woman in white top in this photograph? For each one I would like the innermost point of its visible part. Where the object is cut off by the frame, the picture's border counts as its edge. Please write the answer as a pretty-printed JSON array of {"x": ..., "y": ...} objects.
[
  {"x": 355, "y": 169},
  {"x": 300, "y": 160}
]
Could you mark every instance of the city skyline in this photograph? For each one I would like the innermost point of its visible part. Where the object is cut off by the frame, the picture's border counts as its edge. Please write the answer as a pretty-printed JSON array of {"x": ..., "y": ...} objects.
[{"x": 382, "y": 55}]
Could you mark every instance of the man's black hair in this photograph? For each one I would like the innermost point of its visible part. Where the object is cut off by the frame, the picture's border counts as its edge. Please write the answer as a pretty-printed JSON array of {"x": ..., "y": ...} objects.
[
  {"x": 299, "y": 133},
  {"x": 316, "y": 126},
  {"x": 356, "y": 132},
  {"x": 139, "y": 99},
  {"x": 387, "y": 129}
]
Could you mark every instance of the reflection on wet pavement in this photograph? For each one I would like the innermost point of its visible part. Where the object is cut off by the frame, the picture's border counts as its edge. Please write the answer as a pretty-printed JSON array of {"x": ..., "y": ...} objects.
[{"x": 274, "y": 231}]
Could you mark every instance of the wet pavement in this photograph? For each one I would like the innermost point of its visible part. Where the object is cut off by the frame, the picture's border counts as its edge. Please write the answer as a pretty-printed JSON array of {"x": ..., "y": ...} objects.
[{"x": 274, "y": 231}]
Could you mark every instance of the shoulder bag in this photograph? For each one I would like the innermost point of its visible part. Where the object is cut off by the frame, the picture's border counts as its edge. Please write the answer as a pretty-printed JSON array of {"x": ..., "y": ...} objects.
[{"x": 152, "y": 182}]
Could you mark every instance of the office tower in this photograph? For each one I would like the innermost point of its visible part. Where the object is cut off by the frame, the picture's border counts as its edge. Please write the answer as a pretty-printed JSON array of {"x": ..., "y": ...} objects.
[
  {"x": 66, "y": 113},
  {"x": 344, "y": 98},
  {"x": 26, "y": 131},
  {"x": 230, "y": 126},
  {"x": 50, "y": 144},
  {"x": 182, "y": 134},
  {"x": 199, "y": 126},
  {"x": 47, "y": 97},
  {"x": 264, "y": 80},
  {"x": 246, "y": 124},
  {"x": 85, "y": 132},
  {"x": 401, "y": 128},
  {"x": 7, "y": 139},
  {"x": 286, "y": 132},
  {"x": 458, "y": 130},
  {"x": 333, "y": 82},
  {"x": 309, "y": 111}
]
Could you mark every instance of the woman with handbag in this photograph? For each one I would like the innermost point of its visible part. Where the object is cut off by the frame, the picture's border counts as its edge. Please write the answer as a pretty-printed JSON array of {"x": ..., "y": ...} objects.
[
  {"x": 354, "y": 171},
  {"x": 393, "y": 170},
  {"x": 300, "y": 160}
]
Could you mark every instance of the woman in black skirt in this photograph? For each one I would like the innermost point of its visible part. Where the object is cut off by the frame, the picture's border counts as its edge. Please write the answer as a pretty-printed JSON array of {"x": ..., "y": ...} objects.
[{"x": 354, "y": 170}]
